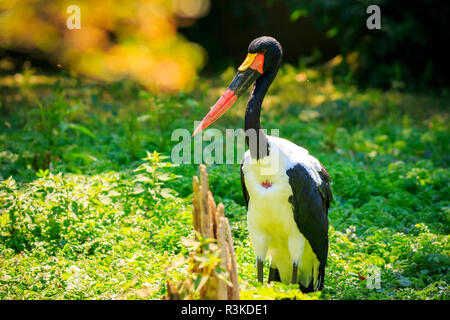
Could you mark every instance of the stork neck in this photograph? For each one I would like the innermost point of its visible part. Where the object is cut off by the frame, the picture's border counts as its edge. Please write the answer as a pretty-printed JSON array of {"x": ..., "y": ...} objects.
[{"x": 260, "y": 149}]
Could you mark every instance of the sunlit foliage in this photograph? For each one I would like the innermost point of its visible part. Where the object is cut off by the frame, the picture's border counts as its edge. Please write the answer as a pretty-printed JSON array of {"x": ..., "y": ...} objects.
[
  {"x": 134, "y": 39},
  {"x": 104, "y": 219}
]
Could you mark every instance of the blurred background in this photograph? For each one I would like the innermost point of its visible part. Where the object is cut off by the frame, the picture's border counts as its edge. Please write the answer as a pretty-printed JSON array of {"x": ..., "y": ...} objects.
[{"x": 165, "y": 43}]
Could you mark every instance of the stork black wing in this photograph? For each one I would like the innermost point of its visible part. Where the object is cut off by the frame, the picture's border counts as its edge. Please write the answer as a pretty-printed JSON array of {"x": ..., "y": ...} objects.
[
  {"x": 244, "y": 189},
  {"x": 325, "y": 187},
  {"x": 310, "y": 206}
]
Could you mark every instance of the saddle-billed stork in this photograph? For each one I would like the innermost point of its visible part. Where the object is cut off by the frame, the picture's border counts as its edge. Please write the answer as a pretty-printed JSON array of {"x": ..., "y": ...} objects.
[{"x": 287, "y": 191}]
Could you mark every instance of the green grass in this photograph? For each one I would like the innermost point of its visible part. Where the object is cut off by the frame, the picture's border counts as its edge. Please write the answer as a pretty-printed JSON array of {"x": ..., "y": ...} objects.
[{"x": 86, "y": 213}]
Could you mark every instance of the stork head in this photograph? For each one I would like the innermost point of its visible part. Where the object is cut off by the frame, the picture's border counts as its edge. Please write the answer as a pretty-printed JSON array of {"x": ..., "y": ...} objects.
[
  {"x": 270, "y": 48},
  {"x": 263, "y": 56}
]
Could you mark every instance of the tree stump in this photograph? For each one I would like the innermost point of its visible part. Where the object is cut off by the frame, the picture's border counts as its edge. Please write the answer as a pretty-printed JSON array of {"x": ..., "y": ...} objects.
[{"x": 211, "y": 225}]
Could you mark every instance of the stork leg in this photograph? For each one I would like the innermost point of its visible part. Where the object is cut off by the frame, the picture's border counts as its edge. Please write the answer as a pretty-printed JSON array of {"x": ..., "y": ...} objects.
[
  {"x": 294, "y": 273},
  {"x": 260, "y": 270},
  {"x": 274, "y": 275}
]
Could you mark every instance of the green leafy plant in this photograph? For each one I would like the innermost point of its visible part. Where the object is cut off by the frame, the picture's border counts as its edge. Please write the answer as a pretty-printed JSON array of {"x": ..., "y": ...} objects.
[{"x": 104, "y": 225}]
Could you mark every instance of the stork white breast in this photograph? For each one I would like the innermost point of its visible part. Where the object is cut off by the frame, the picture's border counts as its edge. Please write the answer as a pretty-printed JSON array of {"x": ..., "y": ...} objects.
[{"x": 271, "y": 223}]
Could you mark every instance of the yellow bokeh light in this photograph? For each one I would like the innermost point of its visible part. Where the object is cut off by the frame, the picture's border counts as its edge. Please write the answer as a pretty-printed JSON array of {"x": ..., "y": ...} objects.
[
  {"x": 134, "y": 39},
  {"x": 191, "y": 8}
]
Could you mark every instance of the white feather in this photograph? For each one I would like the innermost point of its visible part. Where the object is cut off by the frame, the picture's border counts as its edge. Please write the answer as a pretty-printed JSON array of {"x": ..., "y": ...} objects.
[{"x": 272, "y": 228}]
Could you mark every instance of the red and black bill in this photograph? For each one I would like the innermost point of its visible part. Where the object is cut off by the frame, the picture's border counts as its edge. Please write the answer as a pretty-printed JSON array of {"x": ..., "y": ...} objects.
[{"x": 248, "y": 72}]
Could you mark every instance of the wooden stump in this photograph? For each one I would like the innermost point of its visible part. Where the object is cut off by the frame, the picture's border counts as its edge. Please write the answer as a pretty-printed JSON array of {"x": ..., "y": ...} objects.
[{"x": 210, "y": 222}]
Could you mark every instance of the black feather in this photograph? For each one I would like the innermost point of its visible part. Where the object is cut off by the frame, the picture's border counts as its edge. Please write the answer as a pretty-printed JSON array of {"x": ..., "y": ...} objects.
[
  {"x": 310, "y": 206},
  {"x": 244, "y": 189},
  {"x": 325, "y": 187}
]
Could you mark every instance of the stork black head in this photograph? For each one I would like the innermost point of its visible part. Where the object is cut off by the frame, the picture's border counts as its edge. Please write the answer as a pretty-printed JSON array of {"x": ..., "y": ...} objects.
[
  {"x": 264, "y": 56},
  {"x": 270, "y": 48}
]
